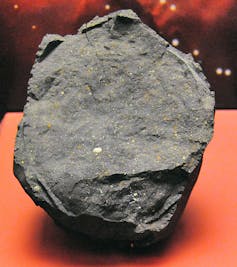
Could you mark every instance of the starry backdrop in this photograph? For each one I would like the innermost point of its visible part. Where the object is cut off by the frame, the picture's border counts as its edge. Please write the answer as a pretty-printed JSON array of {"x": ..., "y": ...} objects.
[{"x": 205, "y": 28}]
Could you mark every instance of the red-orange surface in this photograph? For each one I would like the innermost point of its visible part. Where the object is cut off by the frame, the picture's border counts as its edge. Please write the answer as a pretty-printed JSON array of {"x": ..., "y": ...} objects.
[{"x": 206, "y": 235}]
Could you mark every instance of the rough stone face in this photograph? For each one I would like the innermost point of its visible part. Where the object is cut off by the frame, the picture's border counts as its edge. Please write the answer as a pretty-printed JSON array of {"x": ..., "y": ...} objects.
[{"x": 114, "y": 129}]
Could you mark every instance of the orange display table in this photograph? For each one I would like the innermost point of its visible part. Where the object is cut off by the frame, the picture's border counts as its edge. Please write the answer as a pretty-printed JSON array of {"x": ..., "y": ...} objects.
[{"x": 206, "y": 235}]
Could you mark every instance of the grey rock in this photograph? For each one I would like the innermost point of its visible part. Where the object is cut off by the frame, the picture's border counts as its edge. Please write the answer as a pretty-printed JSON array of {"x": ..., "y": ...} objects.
[{"x": 114, "y": 130}]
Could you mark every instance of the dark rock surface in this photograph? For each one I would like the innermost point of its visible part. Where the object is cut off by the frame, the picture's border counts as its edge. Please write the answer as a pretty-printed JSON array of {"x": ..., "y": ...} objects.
[{"x": 114, "y": 130}]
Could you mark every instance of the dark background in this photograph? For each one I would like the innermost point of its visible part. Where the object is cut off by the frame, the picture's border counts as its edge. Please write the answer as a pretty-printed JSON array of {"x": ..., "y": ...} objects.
[{"x": 207, "y": 27}]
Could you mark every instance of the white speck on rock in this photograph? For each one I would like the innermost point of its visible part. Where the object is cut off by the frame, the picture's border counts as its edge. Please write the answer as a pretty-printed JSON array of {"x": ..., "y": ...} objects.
[
  {"x": 97, "y": 150},
  {"x": 36, "y": 188}
]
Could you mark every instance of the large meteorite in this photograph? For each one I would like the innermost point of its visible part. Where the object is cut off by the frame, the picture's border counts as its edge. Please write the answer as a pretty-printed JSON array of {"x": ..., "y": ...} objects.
[{"x": 114, "y": 130}]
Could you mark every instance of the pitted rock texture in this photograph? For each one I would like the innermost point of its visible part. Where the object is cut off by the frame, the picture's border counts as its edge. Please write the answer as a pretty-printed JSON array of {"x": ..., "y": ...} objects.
[{"x": 114, "y": 129}]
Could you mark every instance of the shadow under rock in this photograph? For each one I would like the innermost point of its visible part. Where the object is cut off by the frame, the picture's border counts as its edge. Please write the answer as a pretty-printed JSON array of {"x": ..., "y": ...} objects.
[{"x": 56, "y": 245}]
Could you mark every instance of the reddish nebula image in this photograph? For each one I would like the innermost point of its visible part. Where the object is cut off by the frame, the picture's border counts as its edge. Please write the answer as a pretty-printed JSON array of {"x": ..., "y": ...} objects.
[{"x": 205, "y": 28}]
